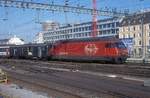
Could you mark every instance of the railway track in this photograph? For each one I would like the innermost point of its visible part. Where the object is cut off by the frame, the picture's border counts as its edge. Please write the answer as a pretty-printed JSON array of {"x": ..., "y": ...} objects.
[
  {"x": 95, "y": 84},
  {"x": 83, "y": 82},
  {"x": 59, "y": 83},
  {"x": 123, "y": 69}
]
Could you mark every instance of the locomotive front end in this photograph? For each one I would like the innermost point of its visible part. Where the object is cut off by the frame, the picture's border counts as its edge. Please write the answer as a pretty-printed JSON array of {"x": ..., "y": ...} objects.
[{"x": 122, "y": 52}]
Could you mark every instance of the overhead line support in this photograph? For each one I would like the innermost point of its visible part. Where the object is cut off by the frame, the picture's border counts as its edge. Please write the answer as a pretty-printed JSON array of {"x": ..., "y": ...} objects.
[{"x": 60, "y": 8}]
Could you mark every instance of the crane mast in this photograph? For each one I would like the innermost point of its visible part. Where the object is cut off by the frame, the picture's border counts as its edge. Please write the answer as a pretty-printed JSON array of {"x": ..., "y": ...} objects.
[{"x": 94, "y": 22}]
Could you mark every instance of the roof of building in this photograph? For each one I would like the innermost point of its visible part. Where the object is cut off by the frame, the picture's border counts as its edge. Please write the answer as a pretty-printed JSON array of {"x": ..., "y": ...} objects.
[
  {"x": 85, "y": 23},
  {"x": 4, "y": 40},
  {"x": 13, "y": 40},
  {"x": 16, "y": 40},
  {"x": 136, "y": 19}
]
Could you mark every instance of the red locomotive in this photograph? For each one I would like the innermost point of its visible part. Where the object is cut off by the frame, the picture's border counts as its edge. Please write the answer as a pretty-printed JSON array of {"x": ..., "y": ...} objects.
[{"x": 91, "y": 49}]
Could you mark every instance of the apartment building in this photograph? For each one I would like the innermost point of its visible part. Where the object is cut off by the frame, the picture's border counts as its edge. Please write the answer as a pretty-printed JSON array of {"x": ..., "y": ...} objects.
[
  {"x": 137, "y": 28},
  {"x": 105, "y": 27}
]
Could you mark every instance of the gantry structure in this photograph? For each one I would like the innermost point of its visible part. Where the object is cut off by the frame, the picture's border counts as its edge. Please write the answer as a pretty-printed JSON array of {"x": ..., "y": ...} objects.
[{"x": 61, "y": 8}]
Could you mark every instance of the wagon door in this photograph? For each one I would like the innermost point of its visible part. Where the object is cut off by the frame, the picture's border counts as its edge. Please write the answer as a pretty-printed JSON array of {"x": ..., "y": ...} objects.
[
  {"x": 15, "y": 52},
  {"x": 40, "y": 52}
]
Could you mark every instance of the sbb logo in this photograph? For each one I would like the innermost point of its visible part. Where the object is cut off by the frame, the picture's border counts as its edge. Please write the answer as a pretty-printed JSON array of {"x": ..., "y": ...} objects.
[{"x": 90, "y": 49}]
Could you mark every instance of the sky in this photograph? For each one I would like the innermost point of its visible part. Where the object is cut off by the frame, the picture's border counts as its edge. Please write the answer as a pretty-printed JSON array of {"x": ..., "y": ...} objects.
[{"x": 24, "y": 22}]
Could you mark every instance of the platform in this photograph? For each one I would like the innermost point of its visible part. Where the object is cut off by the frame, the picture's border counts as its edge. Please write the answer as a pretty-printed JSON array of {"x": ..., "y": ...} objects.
[{"x": 138, "y": 60}]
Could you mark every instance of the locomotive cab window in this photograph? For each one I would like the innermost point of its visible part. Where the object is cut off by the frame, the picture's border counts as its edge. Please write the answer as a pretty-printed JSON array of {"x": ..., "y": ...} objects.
[
  {"x": 115, "y": 45},
  {"x": 110, "y": 45},
  {"x": 120, "y": 45}
]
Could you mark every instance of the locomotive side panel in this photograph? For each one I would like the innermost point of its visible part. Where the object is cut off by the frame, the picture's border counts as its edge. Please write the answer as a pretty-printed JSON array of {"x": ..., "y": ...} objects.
[
  {"x": 94, "y": 50},
  {"x": 89, "y": 49}
]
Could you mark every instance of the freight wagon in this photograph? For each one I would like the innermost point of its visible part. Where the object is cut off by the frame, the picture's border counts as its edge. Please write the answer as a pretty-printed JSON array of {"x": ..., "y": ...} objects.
[
  {"x": 4, "y": 51},
  {"x": 30, "y": 51}
]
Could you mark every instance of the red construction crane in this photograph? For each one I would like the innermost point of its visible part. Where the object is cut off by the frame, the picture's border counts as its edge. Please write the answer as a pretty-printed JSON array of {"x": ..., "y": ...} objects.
[{"x": 94, "y": 22}]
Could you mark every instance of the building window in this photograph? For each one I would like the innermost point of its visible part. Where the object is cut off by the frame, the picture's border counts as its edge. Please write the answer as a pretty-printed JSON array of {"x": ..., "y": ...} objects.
[
  {"x": 124, "y": 36},
  {"x": 100, "y": 26},
  {"x": 104, "y": 26},
  {"x": 79, "y": 29},
  {"x": 90, "y": 28},
  {"x": 134, "y": 51},
  {"x": 128, "y": 35},
  {"x": 134, "y": 42},
  {"x": 97, "y": 26},
  {"x": 104, "y": 32},
  {"x": 123, "y": 29},
  {"x": 134, "y": 28},
  {"x": 149, "y": 34},
  {"x": 86, "y": 34},
  {"x": 82, "y": 28},
  {"x": 117, "y": 31},
  {"x": 140, "y": 51},
  {"x": 113, "y": 25},
  {"x": 140, "y": 34},
  {"x": 117, "y": 23},
  {"x": 145, "y": 27},
  {"x": 86, "y": 28},
  {"x": 134, "y": 35},
  {"x": 128, "y": 28},
  {"x": 100, "y": 32},
  {"x": 140, "y": 43},
  {"x": 140, "y": 27},
  {"x": 108, "y": 25}
]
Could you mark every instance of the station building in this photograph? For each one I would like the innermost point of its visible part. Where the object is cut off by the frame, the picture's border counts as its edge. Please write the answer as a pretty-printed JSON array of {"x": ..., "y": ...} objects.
[
  {"x": 137, "y": 28},
  {"x": 106, "y": 27},
  {"x": 38, "y": 38},
  {"x": 12, "y": 41}
]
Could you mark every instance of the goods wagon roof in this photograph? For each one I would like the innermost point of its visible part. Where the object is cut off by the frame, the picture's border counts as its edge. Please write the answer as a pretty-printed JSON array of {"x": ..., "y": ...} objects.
[{"x": 25, "y": 45}]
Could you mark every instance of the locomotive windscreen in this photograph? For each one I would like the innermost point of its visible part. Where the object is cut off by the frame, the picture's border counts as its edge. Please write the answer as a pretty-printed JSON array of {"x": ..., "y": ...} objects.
[
  {"x": 116, "y": 44},
  {"x": 120, "y": 45}
]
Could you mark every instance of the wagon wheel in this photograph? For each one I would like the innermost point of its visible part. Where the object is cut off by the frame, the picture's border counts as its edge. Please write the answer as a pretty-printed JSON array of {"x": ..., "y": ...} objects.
[{"x": 118, "y": 60}]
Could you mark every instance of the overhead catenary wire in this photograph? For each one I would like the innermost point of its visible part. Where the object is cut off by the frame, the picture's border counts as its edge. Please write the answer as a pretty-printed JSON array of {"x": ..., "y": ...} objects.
[{"x": 59, "y": 8}]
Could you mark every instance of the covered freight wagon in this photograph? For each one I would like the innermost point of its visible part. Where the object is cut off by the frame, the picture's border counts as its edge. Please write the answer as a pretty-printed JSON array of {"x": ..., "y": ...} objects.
[{"x": 32, "y": 51}]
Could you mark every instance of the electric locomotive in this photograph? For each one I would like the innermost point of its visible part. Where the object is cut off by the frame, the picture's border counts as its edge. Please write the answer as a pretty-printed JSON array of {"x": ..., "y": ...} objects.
[{"x": 90, "y": 49}]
